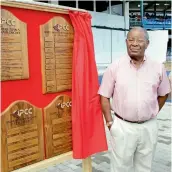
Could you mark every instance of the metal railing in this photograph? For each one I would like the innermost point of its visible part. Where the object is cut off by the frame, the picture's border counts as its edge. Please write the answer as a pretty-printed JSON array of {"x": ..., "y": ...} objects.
[{"x": 152, "y": 23}]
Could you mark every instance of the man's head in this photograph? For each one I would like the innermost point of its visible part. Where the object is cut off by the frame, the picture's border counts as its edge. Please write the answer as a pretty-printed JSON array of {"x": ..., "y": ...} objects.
[{"x": 137, "y": 41}]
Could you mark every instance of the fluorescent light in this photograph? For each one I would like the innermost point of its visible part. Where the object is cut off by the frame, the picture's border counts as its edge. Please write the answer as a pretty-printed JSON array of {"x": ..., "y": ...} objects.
[
  {"x": 166, "y": 4},
  {"x": 157, "y": 4},
  {"x": 143, "y": 4}
]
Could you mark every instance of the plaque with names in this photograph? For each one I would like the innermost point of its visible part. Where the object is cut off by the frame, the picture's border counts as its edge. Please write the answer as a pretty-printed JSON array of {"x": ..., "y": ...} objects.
[
  {"x": 22, "y": 136},
  {"x": 14, "y": 52},
  {"x": 57, "y": 48},
  {"x": 58, "y": 126}
]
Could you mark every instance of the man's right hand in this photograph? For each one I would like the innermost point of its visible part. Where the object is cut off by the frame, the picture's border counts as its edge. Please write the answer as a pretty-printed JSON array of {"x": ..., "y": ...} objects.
[
  {"x": 109, "y": 124},
  {"x": 110, "y": 127}
]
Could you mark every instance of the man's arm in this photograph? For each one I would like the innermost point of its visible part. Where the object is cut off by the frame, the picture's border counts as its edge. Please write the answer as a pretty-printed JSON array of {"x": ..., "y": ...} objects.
[
  {"x": 164, "y": 88},
  {"x": 106, "y": 91},
  {"x": 161, "y": 101},
  {"x": 105, "y": 103}
]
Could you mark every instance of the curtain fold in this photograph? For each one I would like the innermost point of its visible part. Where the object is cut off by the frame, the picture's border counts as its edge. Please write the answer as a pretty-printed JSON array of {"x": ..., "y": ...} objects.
[{"x": 88, "y": 130}]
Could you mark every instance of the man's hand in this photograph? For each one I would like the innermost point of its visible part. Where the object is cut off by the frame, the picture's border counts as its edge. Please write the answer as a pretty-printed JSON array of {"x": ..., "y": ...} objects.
[
  {"x": 110, "y": 127},
  {"x": 109, "y": 124}
]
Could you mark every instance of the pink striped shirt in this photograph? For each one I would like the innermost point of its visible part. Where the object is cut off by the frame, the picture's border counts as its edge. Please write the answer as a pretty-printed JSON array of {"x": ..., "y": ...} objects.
[{"x": 134, "y": 91}]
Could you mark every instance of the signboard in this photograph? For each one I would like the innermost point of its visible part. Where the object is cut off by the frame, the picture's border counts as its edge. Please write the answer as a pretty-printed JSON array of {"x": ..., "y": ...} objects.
[
  {"x": 22, "y": 136},
  {"x": 57, "y": 47},
  {"x": 14, "y": 53},
  {"x": 58, "y": 126}
]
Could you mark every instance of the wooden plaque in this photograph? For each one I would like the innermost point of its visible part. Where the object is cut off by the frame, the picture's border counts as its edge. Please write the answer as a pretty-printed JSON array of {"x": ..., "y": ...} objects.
[
  {"x": 56, "y": 47},
  {"x": 14, "y": 53},
  {"x": 22, "y": 136},
  {"x": 58, "y": 126}
]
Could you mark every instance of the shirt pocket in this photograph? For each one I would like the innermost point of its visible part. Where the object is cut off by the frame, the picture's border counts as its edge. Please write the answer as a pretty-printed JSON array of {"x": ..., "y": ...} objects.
[{"x": 149, "y": 85}]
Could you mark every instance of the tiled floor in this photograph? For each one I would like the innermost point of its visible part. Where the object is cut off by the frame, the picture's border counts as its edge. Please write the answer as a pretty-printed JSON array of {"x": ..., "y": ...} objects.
[{"x": 101, "y": 161}]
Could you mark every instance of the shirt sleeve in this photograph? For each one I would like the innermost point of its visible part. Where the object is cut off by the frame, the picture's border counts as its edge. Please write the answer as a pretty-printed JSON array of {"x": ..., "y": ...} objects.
[
  {"x": 164, "y": 87},
  {"x": 108, "y": 82}
]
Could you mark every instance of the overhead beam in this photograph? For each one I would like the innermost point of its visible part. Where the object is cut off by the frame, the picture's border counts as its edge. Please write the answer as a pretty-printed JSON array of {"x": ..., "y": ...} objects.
[
  {"x": 149, "y": 5},
  {"x": 138, "y": 10},
  {"x": 167, "y": 8}
]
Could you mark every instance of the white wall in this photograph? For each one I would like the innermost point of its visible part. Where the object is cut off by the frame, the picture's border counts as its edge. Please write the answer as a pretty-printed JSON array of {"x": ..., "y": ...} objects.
[
  {"x": 118, "y": 44},
  {"x": 109, "y": 44},
  {"x": 103, "y": 19},
  {"x": 116, "y": 9},
  {"x": 102, "y": 45},
  {"x": 158, "y": 45}
]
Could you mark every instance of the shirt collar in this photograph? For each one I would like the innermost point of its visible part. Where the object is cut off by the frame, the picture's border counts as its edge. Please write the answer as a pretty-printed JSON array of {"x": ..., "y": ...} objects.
[{"x": 130, "y": 60}]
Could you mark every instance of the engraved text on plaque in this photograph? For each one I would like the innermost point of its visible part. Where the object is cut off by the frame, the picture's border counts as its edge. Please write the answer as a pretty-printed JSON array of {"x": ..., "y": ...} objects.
[
  {"x": 57, "y": 46},
  {"x": 14, "y": 53}
]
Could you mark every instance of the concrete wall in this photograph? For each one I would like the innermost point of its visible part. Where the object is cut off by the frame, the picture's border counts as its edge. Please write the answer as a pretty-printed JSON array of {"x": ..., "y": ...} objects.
[
  {"x": 103, "y": 19},
  {"x": 109, "y": 44}
]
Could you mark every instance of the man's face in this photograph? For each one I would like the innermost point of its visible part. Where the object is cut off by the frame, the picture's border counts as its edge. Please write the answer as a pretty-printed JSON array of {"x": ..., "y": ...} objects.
[{"x": 136, "y": 44}]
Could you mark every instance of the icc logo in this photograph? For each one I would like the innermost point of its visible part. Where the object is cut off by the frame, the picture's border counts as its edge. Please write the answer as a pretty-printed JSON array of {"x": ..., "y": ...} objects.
[
  {"x": 58, "y": 27},
  {"x": 62, "y": 105},
  {"x": 9, "y": 22},
  {"x": 23, "y": 111}
]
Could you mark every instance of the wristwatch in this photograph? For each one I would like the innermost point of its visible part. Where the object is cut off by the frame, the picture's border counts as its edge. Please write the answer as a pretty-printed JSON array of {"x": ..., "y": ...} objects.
[{"x": 108, "y": 124}]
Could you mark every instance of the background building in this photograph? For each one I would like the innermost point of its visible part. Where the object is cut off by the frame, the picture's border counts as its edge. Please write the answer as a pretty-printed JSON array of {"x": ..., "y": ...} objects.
[{"x": 112, "y": 19}]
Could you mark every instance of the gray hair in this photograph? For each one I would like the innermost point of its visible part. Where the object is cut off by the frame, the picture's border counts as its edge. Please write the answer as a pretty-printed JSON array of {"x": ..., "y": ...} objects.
[{"x": 140, "y": 29}]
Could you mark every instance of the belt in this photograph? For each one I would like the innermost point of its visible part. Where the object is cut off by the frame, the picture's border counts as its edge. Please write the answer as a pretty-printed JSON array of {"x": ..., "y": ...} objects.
[{"x": 137, "y": 122}]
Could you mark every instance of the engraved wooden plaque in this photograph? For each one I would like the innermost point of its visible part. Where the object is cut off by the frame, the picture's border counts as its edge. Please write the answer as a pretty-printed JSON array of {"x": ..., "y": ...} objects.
[
  {"x": 22, "y": 141},
  {"x": 14, "y": 53},
  {"x": 58, "y": 126},
  {"x": 57, "y": 47}
]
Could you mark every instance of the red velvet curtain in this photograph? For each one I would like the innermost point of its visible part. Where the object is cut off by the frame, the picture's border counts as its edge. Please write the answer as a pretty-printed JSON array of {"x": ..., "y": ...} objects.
[{"x": 87, "y": 122}]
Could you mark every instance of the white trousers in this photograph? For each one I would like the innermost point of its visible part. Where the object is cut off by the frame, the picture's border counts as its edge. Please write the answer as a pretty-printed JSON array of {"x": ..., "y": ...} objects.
[{"x": 133, "y": 145}]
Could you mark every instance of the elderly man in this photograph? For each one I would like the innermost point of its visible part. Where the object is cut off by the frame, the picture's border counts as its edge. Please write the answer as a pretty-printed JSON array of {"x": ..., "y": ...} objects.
[{"x": 139, "y": 88}]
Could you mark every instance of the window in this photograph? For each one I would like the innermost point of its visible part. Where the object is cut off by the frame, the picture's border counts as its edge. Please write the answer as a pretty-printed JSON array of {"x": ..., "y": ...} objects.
[
  {"x": 87, "y": 5},
  {"x": 68, "y": 3},
  {"x": 117, "y": 8},
  {"x": 102, "y": 6}
]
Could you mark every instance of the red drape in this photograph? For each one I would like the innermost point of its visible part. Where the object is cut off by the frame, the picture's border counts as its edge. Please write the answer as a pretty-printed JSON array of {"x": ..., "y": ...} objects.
[{"x": 88, "y": 128}]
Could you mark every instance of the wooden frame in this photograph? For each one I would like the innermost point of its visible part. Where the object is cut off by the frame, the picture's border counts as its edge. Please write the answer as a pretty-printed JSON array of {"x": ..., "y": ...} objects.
[
  {"x": 38, "y": 7},
  {"x": 58, "y": 159},
  {"x": 45, "y": 163},
  {"x": 55, "y": 9}
]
